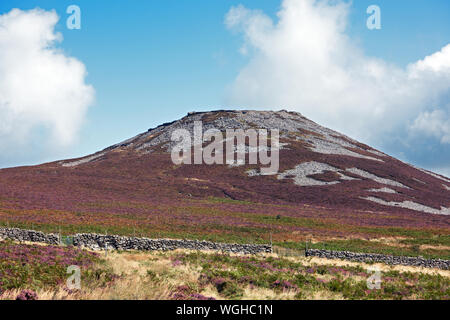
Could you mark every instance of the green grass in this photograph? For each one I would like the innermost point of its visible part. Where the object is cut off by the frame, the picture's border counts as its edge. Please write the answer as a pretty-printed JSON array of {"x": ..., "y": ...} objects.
[
  {"x": 359, "y": 245},
  {"x": 435, "y": 240},
  {"x": 227, "y": 200}
]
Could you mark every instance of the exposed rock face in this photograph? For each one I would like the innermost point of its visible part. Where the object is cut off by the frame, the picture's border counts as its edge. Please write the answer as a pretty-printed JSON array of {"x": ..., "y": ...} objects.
[
  {"x": 385, "y": 190},
  {"x": 410, "y": 205},
  {"x": 300, "y": 174},
  {"x": 290, "y": 124}
]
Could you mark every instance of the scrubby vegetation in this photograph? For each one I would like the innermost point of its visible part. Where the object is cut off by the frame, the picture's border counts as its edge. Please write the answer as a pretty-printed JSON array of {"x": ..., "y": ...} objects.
[
  {"x": 32, "y": 271},
  {"x": 231, "y": 276},
  {"x": 33, "y": 267}
]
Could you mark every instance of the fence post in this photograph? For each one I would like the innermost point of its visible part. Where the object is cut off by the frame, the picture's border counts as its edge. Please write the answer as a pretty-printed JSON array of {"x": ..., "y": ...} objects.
[{"x": 271, "y": 242}]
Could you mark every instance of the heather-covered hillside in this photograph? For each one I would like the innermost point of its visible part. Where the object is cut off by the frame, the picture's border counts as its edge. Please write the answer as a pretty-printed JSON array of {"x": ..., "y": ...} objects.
[{"x": 328, "y": 187}]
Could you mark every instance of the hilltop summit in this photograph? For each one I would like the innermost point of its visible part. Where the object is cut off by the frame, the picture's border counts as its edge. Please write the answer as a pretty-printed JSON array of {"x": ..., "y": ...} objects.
[{"x": 313, "y": 157}]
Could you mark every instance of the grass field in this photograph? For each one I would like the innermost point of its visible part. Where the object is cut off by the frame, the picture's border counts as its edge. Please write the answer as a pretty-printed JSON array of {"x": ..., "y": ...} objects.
[
  {"x": 224, "y": 220},
  {"x": 195, "y": 275}
]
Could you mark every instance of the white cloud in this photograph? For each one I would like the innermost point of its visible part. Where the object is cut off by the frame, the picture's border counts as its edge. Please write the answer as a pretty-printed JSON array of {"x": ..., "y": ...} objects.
[
  {"x": 306, "y": 61},
  {"x": 435, "y": 124},
  {"x": 438, "y": 62},
  {"x": 40, "y": 86}
]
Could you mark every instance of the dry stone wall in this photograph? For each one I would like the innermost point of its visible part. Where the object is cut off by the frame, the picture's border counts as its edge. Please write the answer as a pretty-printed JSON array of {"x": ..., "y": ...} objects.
[
  {"x": 102, "y": 242},
  {"x": 387, "y": 259},
  {"x": 112, "y": 242},
  {"x": 28, "y": 235}
]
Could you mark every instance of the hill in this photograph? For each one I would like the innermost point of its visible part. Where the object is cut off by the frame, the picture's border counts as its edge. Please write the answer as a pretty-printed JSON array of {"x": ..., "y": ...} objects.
[{"x": 328, "y": 188}]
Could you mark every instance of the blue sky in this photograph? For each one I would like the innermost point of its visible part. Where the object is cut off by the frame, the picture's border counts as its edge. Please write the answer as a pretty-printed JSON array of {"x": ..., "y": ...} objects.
[{"x": 153, "y": 61}]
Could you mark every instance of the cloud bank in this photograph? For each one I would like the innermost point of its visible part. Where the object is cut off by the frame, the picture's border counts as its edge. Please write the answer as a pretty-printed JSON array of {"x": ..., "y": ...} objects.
[
  {"x": 41, "y": 88},
  {"x": 305, "y": 61}
]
